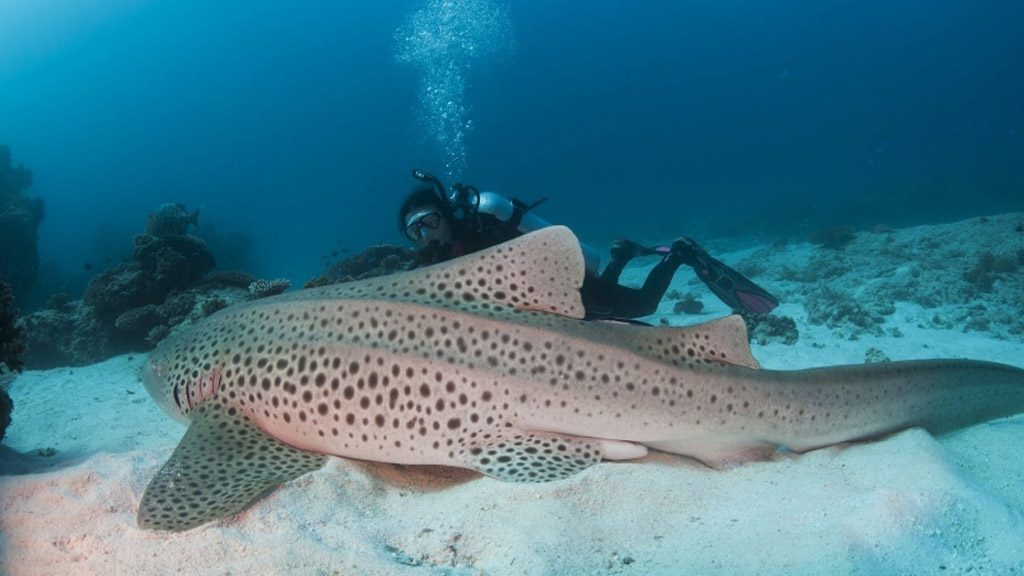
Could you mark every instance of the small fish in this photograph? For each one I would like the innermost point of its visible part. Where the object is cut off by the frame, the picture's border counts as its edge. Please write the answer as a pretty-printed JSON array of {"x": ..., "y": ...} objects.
[{"x": 172, "y": 219}]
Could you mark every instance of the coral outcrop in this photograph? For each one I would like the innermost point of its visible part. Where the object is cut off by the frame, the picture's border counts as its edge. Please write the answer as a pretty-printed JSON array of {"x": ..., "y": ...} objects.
[
  {"x": 965, "y": 275},
  {"x": 266, "y": 288},
  {"x": 765, "y": 328},
  {"x": 376, "y": 261},
  {"x": 160, "y": 266},
  {"x": 133, "y": 305},
  {"x": 71, "y": 336},
  {"x": 6, "y": 407},
  {"x": 833, "y": 238},
  {"x": 20, "y": 217},
  {"x": 11, "y": 346},
  {"x": 166, "y": 286},
  {"x": 11, "y": 336}
]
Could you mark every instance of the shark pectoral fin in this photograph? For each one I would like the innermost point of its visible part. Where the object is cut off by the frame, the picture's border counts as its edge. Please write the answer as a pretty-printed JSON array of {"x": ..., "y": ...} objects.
[
  {"x": 519, "y": 456},
  {"x": 222, "y": 464}
]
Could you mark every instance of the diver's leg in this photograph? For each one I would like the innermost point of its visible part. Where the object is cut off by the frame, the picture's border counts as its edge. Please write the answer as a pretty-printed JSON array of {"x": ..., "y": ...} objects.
[
  {"x": 598, "y": 297},
  {"x": 609, "y": 299},
  {"x": 622, "y": 251},
  {"x": 647, "y": 298},
  {"x": 732, "y": 288}
]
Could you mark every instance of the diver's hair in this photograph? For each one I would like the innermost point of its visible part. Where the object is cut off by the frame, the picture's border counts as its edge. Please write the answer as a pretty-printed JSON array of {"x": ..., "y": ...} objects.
[{"x": 421, "y": 196}]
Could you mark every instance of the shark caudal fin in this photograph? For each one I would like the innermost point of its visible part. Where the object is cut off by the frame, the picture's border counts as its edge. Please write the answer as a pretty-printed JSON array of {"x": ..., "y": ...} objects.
[{"x": 223, "y": 463}]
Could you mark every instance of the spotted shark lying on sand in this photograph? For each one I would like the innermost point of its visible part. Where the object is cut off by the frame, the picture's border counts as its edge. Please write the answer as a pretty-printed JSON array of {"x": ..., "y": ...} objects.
[{"x": 484, "y": 362}]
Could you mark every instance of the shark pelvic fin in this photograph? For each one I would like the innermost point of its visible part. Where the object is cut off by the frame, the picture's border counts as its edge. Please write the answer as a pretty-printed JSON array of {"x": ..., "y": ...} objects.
[
  {"x": 520, "y": 456},
  {"x": 222, "y": 464}
]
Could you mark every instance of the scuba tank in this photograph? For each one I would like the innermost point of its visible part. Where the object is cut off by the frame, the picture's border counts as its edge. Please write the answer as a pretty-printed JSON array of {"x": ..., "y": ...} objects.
[
  {"x": 467, "y": 203},
  {"x": 510, "y": 210}
]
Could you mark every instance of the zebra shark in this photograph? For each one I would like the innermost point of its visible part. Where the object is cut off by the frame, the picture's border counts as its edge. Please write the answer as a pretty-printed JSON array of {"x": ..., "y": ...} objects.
[{"x": 485, "y": 362}]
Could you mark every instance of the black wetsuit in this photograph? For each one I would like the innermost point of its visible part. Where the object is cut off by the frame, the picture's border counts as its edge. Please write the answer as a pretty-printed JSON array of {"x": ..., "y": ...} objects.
[{"x": 602, "y": 295}]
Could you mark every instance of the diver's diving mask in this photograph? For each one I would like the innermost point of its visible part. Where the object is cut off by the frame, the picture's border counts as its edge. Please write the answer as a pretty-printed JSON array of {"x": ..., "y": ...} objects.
[{"x": 422, "y": 225}]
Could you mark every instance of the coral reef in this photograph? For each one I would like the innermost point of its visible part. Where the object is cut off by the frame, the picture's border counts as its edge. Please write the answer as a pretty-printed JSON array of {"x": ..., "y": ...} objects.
[
  {"x": 6, "y": 407},
  {"x": 947, "y": 269},
  {"x": 137, "y": 296},
  {"x": 73, "y": 336},
  {"x": 833, "y": 238},
  {"x": 874, "y": 356},
  {"x": 688, "y": 304},
  {"x": 160, "y": 266},
  {"x": 990, "y": 267},
  {"x": 11, "y": 347},
  {"x": 213, "y": 305},
  {"x": 134, "y": 304},
  {"x": 765, "y": 328},
  {"x": 11, "y": 336},
  {"x": 235, "y": 278},
  {"x": 58, "y": 301},
  {"x": 845, "y": 314},
  {"x": 376, "y": 261},
  {"x": 265, "y": 288},
  {"x": 20, "y": 217}
]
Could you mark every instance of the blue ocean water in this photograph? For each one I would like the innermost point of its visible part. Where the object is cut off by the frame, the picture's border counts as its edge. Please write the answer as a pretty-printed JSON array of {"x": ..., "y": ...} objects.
[{"x": 296, "y": 124}]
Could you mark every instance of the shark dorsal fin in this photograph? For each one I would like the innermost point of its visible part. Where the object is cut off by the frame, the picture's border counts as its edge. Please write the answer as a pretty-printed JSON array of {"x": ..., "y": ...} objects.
[{"x": 540, "y": 271}]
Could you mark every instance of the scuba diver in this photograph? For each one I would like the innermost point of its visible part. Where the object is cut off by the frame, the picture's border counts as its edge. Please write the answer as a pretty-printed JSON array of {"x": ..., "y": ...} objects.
[{"x": 449, "y": 224}]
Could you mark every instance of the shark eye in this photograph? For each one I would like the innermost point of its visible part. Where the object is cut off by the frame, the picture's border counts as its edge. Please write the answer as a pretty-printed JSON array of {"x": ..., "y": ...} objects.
[{"x": 177, "y": 400}]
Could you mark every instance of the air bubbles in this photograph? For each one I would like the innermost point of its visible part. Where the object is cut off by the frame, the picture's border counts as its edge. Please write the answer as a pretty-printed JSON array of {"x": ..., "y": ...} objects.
[{"x": 444, "y": 39}]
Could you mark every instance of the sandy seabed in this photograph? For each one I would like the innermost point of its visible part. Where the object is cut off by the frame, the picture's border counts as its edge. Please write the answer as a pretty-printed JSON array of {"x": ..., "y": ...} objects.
[{"x": 906, "y": 504}]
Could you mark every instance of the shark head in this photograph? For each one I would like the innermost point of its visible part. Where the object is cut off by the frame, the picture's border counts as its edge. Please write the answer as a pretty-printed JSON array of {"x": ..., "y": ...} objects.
[
  {"x": 153, "y": 375},
  {"x": 175, "y": 381}
]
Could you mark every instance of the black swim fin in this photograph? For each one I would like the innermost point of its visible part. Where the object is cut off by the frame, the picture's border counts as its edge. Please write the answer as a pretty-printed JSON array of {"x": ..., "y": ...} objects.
[{"x": 734, "y": 289}]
